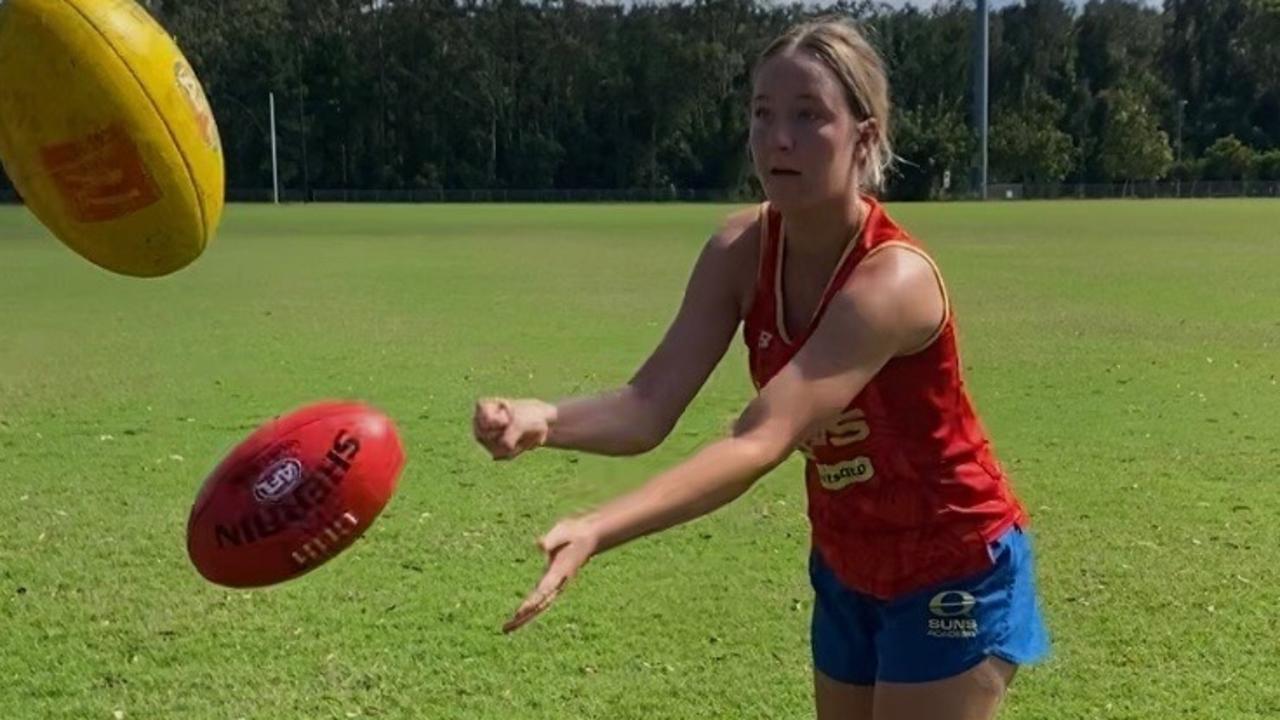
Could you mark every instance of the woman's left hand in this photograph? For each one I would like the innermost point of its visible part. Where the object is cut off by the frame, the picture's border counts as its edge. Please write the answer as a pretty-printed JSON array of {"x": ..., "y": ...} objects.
[{"x": 568, "y": 546}]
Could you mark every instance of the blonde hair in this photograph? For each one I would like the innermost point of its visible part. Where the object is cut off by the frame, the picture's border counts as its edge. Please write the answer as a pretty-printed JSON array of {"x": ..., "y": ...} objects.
[{"x": 840, "y": 46}]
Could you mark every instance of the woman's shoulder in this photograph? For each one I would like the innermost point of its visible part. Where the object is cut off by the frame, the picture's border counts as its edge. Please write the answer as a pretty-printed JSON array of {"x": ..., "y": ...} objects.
[{"x": 739, "y": 230}]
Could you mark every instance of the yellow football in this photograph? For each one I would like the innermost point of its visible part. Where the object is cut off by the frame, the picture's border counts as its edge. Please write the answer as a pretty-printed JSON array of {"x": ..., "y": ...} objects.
[{"x": 106, "y": 133}]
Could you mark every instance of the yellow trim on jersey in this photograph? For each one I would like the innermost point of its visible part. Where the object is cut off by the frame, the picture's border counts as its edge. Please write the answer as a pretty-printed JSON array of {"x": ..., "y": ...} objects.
[
  {"x": 779, "y": 308},
  {"x": 764, "y": 239},
  {"x": 780, "y": 318}
]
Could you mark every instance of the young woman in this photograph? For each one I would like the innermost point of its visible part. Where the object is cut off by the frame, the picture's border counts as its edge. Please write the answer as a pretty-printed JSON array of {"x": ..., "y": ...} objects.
[{"x": 925, "y": 591}]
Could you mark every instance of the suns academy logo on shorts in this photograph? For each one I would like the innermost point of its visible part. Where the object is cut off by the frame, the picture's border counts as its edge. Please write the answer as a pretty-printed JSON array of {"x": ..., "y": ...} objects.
[
  {"x": 277, "y": 481},
  {"x": 951, "y": 610}
]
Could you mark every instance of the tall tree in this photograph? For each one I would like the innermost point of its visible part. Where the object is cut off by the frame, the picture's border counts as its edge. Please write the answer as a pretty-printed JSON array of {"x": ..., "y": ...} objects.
[
  {"x": 1132, "y": 145},
  {"x": 1205, "y": 66},
  {"x": 1026, "y": 144}
]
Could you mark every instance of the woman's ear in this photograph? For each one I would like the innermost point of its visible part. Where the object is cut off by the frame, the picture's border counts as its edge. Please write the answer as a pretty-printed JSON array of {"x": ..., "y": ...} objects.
[{"x": 865, "y": 134}]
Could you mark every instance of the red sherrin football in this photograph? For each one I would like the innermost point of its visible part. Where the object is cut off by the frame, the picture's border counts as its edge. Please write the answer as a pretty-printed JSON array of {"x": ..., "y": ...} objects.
[{"x": 294, "y": 494}]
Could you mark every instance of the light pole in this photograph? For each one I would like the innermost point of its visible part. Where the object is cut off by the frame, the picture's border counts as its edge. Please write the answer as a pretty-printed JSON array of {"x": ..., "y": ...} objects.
[{"x": 981, "y": 61}]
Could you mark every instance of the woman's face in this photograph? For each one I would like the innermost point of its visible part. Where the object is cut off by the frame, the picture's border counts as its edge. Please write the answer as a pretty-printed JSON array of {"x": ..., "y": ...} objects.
[{"x": 803, "y": 133}]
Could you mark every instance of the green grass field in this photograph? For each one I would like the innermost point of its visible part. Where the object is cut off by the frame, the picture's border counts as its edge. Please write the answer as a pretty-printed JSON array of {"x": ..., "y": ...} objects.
[{"x": 1125, "y": 357}]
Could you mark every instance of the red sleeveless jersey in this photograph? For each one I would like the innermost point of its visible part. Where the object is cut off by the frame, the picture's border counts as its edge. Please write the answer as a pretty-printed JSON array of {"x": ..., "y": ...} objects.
[{"x": 904, "y": 490}]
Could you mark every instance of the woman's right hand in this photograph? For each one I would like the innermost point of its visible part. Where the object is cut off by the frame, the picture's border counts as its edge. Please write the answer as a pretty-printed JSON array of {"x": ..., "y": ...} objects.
[{"x": 507, "y": 428}]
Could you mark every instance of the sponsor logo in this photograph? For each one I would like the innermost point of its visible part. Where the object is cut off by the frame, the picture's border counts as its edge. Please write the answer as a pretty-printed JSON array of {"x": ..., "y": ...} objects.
[
  {"x": 100, "y": 176},
  {"x": 838, "y": 476}
]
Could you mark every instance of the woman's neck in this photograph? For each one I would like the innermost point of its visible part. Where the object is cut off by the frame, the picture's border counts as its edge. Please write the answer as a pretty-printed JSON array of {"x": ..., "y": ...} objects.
[{"x": 824, "y": 230}]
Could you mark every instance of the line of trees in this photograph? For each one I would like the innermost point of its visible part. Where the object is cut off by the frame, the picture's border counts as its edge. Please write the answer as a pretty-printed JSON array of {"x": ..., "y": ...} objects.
[{"x": 409, "y": 94}]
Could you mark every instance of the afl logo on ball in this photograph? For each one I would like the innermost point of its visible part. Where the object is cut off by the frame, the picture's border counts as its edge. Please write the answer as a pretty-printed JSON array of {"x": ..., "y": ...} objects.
[{"x": 277, "y": 481}]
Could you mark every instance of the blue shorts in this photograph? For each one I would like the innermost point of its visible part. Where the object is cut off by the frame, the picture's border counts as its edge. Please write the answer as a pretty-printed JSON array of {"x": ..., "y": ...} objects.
[{"x": 933, "y": 633}]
